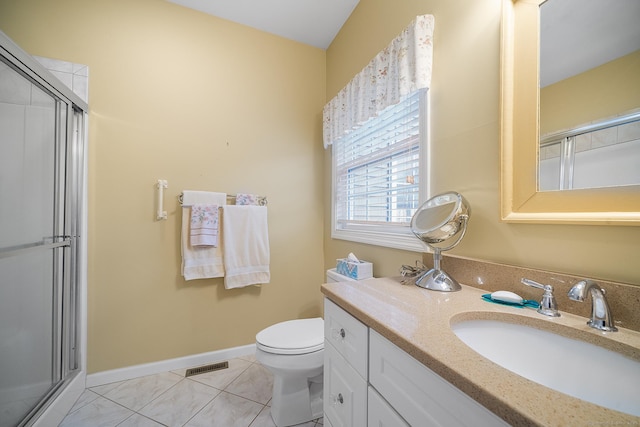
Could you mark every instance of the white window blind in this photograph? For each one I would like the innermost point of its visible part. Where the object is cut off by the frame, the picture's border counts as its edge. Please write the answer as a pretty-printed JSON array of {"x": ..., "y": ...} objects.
[{"x": 377, "y": 179}]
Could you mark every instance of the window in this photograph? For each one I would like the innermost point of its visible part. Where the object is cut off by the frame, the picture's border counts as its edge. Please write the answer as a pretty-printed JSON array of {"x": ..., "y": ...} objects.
[{"x": 380, "y": 176}]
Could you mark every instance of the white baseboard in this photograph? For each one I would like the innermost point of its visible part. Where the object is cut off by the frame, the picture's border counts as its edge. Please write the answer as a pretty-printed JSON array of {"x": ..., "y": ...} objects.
[{"x": 114, "y": 375}]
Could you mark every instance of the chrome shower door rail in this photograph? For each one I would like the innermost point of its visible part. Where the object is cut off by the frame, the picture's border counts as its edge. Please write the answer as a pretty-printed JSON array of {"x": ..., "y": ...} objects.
[{"x": 28, "y": 247}]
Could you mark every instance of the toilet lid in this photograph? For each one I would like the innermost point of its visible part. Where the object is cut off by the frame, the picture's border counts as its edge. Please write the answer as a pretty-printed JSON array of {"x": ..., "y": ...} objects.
[{"x": 292, "y": 337}]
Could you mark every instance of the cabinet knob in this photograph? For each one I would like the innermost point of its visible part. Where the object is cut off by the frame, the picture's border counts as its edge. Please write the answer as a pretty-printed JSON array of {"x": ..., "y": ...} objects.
[
  {"x": 336, "y": 334},
  {"x": 337, "y": 399}
]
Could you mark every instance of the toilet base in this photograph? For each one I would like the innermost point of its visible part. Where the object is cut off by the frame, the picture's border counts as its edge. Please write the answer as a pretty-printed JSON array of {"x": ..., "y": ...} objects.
[{"x": 296, "y": 400}]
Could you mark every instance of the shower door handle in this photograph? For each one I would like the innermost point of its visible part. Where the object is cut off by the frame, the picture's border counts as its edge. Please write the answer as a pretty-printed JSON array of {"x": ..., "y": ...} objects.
[{"x": 46, "y": 243}]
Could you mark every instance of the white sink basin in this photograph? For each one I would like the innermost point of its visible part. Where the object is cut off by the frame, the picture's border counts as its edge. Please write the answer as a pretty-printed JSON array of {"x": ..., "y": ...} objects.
[{"x": 573, "y": 367}]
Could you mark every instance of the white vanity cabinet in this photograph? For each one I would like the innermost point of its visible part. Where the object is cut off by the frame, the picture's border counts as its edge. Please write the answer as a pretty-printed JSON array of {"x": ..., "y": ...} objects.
[
  {"x": 346, "y": 361},
  {"x": 380, "y": 414},
  {"x": 421, "y": 396},
  {"x": 369, "y": 381},
  {"x": 348, "y": 336},
  {"x": 345, "y": 392}
]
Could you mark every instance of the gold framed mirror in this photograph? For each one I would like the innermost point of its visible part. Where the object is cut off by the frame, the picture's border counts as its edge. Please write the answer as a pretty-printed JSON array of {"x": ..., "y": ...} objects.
[{"x": 520, "y": 199}]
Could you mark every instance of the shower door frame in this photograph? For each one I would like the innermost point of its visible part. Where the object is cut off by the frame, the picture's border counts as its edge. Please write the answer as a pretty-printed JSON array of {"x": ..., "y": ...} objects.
[{"x": 70, "y": 219}]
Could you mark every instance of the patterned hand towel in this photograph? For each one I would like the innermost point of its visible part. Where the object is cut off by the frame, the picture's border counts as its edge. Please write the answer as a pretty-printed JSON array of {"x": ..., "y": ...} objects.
[
  {"x": 247, "y": 199},
  {"x": 200, "y": 262},
  {"x": 204, "y": 225}
]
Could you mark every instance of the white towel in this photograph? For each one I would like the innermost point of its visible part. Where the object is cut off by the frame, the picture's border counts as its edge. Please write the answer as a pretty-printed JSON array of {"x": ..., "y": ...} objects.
[
  {"x": 200, "y": 262},
  {"x": 245, "y": 245}
]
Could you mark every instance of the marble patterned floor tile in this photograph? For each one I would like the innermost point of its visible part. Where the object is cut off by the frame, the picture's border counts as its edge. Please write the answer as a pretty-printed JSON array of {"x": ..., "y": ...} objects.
[
  {"x": 170, "y": 399},
  {"x": 249, "y": 357},
  {"x": 136, "y": 393},
  {"x": 85, "y": 398},
  {"x": 105, "y": 388},
  {"x": 226, "y": 410},
  {"x": 137, "y": 420},
  {"x": 180, "y": 403},
  {"x": 99, "y": 413},
  {"x": 255, "y": 383},
  {"x": 222, "y": 378},
  {"x": 264, "y": 420}
]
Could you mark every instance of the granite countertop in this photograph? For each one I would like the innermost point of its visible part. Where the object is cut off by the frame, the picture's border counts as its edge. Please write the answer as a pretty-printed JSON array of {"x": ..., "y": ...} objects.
[{"x": 418, "y": 321}]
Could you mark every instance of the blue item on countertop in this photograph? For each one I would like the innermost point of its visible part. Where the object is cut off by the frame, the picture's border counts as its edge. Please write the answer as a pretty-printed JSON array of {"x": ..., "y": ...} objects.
[
  {"x": 509, "y": 298},
  {"x": 352, "y": 267}
]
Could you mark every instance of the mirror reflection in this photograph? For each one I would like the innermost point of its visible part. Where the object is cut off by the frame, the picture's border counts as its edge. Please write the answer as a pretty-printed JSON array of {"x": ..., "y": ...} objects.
[
  {"x": 441, "y": 219},
  {"x": 589, "y": 94}
]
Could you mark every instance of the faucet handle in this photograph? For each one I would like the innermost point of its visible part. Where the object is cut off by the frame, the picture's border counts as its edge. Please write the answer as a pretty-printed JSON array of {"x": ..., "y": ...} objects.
[{"x": 548, "y": 305}]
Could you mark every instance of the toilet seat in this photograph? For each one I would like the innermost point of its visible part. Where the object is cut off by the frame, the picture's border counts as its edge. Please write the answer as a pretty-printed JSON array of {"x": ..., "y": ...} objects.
[{"x": 292, "y": 337}]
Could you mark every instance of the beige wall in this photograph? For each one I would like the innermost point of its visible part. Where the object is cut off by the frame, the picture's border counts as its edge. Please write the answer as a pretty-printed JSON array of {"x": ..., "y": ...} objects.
[
  {"x": 211, "y": 105},
  {"x": 603, "y": 92},
  {"x": 465, "y": 144},
  {"x": 207, "y": 105}
]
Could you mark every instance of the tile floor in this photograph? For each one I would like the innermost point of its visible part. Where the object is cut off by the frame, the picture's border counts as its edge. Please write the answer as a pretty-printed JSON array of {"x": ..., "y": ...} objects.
[{"x": 238, "y": 396}]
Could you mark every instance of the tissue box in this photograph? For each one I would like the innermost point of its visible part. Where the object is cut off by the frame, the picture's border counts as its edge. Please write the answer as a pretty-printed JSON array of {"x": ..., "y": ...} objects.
[{"x": 355, "y": 270}]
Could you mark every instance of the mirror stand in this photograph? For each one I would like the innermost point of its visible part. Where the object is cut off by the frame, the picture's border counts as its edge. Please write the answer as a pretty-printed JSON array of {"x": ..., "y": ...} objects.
[
  {"x": 436, "y": 279},
  {"x": 440, "y": 219}
]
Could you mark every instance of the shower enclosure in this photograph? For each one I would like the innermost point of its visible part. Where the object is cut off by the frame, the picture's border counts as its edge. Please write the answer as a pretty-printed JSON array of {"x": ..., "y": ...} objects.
[{"x": 41, "y": 167}]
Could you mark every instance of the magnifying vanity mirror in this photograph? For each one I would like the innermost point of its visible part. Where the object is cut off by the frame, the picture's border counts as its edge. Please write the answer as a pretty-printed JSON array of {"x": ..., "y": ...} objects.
[
  {"x": 440, "y": 223},
  {"x": 556, "y": 166}
]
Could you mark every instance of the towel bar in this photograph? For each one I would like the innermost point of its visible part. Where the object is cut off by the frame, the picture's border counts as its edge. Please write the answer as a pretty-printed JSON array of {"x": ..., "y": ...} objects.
[{"x": 262, "y": 200}]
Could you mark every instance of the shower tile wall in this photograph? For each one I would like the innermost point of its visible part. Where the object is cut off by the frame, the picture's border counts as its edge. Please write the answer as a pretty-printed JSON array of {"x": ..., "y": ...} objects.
[
  {"x": 612, "y": 149},
  {"x": 627, "y": 133},
  {"x": 74, "y": 76}
]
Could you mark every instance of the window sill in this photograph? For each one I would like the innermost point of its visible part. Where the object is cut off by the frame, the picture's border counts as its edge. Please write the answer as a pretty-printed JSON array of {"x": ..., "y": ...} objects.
[{"x": 407, "y": 242}]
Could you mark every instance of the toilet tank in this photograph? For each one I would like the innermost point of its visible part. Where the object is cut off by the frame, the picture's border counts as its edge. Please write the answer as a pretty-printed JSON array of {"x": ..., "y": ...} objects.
[{"x": 333, "y": 276}]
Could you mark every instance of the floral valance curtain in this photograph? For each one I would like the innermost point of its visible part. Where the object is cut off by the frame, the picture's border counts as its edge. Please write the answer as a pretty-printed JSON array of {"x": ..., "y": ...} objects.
[{"x": 399, "y": 70}]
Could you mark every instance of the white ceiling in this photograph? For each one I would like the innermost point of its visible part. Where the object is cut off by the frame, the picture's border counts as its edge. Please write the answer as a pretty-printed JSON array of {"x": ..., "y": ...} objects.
[
  {"x": 312, "y": 22},
  {"x": 577, "y": 35}
]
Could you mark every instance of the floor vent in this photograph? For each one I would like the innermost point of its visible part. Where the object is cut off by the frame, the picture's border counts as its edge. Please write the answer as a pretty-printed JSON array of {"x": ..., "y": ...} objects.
[{"x": 207, "y": 368}]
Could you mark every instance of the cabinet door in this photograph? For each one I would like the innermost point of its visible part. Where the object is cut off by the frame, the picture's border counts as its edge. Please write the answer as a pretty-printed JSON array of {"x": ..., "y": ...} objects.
[
  {"x": 380, "y": 414},
  {"x": 420, "y": 396},
  {"x": 347, "y": 335},
  {"x": 326, "y": 422},
  {"x": 345, "y": 392}
]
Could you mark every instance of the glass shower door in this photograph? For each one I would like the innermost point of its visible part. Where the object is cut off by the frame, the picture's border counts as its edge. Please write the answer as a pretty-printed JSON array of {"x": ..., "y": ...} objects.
[{"x": 35, "y": 265}]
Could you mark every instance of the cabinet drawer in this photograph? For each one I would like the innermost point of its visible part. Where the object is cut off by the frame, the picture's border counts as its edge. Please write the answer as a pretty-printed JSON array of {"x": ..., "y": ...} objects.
[
  {"x": 348, "y": 335},
  {"x": 380, "y": 414},
  {"x": 418, "y": 394},
  {"x": 345, "y": 392}
]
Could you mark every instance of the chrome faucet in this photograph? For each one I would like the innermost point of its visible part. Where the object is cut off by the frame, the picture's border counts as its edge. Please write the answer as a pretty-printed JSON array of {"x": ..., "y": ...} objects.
[
  {"x": 601, "y": 315},
  {"x": 548, "y": 305}
]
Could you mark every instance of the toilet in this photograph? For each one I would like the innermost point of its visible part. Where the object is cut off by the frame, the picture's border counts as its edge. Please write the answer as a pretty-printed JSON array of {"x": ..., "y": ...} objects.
[{"x": 293, "y": 351}]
